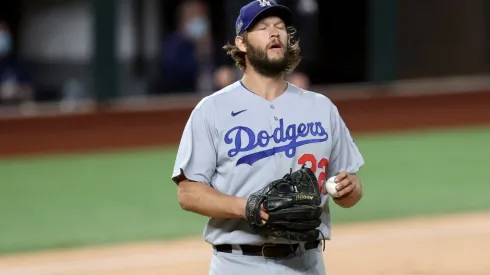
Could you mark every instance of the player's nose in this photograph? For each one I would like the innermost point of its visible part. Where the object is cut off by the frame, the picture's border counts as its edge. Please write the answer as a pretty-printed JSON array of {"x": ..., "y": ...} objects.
[{"x": 274, "y": 33}]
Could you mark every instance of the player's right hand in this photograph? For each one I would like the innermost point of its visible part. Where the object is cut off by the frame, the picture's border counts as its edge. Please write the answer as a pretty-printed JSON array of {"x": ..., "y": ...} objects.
[{"x": 263, "y": 213}]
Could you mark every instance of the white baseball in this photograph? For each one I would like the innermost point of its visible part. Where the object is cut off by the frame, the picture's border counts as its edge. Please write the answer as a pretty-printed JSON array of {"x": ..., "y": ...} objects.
[{"x": 331, "y": 187}]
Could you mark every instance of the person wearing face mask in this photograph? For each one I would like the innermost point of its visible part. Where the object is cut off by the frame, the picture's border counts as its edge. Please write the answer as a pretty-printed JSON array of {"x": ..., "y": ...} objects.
[
  {"x": 188, "y": 54},
  {"x": 14, "y": 82}
]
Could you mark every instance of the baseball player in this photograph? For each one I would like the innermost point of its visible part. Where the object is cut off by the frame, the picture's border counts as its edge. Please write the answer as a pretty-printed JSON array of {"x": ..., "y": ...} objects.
[{"x": 254, "y": 131}]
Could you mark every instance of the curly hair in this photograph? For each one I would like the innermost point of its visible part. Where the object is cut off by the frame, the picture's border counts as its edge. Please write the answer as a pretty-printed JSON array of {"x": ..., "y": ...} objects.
[{"x": 293, "y": 52}]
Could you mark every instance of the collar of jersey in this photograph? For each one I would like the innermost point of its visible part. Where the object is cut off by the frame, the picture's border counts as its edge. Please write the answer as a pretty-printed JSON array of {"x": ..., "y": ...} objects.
[{"x": 245, "y": 87}]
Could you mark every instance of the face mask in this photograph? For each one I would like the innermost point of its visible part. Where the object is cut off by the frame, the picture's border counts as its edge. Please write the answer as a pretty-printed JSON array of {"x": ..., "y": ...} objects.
[
  {"x": 5, "y": 43},
  {"x": 197, "y": 27}
]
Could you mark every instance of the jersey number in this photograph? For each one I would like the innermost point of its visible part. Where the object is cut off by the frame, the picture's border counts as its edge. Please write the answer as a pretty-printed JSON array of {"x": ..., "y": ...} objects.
[{"x": 314, "y": 165}]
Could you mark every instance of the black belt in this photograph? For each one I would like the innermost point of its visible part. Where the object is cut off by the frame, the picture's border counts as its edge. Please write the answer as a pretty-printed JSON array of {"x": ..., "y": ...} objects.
[{"x": 267, "y": 250}]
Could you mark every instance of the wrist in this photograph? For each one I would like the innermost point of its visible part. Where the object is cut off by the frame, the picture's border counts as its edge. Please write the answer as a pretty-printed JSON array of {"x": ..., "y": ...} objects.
[{"x": 239, "y": 207}]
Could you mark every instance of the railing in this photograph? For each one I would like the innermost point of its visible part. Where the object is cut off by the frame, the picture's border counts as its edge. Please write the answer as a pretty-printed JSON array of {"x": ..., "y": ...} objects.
[{"x": 417, "y": 87}]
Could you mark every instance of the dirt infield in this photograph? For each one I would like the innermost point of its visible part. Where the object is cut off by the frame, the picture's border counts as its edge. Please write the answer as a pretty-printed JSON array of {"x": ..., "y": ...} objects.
[
  {"x": 450, "y": 245},
  {"x": 124, "y": 129}
]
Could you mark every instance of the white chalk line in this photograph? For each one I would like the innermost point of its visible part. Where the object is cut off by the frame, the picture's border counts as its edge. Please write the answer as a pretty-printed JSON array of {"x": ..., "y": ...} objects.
[{"x": 202, "y": 254}]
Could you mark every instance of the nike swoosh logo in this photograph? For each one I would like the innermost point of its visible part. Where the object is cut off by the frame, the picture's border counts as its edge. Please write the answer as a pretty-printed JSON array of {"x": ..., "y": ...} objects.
[{"x": 237, "y": 113}]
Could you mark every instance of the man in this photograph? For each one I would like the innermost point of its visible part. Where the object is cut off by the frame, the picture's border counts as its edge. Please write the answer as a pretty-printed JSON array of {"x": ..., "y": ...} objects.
[
  {"x": 187, "y": 52},
  {"x": 254, "y": 131},
  {"x": 15, "y": 84},
  {"x": 189, "y": 58}
]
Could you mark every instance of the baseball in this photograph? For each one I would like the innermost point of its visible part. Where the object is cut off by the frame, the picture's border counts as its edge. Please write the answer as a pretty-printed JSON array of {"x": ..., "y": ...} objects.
[{"x": 331, "y": 187}]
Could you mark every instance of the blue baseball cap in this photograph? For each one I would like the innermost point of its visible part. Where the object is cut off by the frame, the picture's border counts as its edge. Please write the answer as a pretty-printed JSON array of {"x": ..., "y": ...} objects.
[{"x": 256, "y": 9}]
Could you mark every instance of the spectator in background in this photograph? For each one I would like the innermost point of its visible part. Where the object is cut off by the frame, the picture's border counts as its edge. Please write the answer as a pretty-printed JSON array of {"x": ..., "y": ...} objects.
[
  {"x": 299, "y": 79},
  {"x": 225, "y": 75},
  {"x": 188, "y": 57},
  {"x": 15, "y": 85}
]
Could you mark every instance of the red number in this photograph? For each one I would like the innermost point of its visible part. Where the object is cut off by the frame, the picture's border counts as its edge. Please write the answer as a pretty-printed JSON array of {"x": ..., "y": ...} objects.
[
  {"x": 322, "y": 165},
  {"x": 308, "y": 158}
]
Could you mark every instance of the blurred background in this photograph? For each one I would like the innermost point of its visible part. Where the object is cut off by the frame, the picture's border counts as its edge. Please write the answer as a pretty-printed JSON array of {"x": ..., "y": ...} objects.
[
  {"x": 94, "y": 95},
  {"x": 80, "y": 50}
]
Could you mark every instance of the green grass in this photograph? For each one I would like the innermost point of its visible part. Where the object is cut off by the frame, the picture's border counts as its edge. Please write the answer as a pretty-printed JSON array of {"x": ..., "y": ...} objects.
[
  {"x": 65, "y": 201},
  {"x": 422, "y": 173},
  {"x": 70, "y": 201}
]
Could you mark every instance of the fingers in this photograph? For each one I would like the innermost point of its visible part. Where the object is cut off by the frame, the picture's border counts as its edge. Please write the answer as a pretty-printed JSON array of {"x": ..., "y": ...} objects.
[
  {"x": 344, "y": 183},
  {"x": 341, "y": 176},
  {"x": 264, "y": 215},
  {"x": 348, "y": 187},
  {"x": 340, "y": 179}
]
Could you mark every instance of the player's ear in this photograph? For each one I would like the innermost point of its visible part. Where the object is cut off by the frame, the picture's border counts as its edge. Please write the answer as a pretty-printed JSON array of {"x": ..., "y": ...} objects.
[{"x": 240, "y": 43}]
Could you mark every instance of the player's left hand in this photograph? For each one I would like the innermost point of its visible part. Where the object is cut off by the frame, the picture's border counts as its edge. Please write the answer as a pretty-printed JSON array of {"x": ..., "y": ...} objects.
[{"x": 346, "y": 184}]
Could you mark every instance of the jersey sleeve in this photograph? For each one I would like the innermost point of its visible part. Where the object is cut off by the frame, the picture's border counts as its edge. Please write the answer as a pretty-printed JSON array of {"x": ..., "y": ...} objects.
[
  {"x": 197, "y": 154},
  {"x": 345, "y": 154}
]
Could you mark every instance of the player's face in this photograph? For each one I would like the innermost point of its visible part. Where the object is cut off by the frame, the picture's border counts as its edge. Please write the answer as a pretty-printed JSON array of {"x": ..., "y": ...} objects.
[
  {"x": 267, "y": 45},
  {"x": 269, "y": 35}
]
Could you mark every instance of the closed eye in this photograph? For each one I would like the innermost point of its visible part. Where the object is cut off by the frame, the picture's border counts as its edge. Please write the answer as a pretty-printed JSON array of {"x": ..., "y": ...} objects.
[{"x": 281, "y": 26}]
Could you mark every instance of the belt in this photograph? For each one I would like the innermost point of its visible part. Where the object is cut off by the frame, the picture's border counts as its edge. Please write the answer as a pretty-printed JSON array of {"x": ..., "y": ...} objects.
[{"x": 268, "y": 250}]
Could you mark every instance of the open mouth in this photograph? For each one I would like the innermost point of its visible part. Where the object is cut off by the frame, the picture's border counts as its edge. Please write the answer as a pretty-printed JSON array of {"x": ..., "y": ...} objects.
[{"x": 275, "y": 46}]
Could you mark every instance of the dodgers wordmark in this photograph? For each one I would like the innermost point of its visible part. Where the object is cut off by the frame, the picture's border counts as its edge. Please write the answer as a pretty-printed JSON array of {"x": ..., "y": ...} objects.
[{"x": 313, "y": 132}]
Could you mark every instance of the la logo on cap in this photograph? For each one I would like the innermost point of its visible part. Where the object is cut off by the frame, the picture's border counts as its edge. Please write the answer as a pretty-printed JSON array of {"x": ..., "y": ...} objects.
[{"x": 264, "y": 3}]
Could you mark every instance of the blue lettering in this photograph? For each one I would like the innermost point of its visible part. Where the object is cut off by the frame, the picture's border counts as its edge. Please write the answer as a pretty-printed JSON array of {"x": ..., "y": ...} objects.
[
  {"x": 244, "y": 139},
  {"x": 302, "y": 130},
  {"x": 319, "y": 129},
  {"x": 279, "y": 133},
  {"x": 312, "y": 129},
  {"x": 263, "y": 138},
  {"x": 238, "y": 140}
]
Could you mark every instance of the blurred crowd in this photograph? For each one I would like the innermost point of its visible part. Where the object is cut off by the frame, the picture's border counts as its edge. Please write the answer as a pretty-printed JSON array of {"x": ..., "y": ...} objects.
[
  {"x": 44, "y": 57},
  {"x": 191, "y": 58},
  {"x": 15, "y": 82}
]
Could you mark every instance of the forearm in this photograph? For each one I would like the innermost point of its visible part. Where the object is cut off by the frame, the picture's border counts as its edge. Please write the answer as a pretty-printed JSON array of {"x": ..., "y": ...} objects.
[
  {"x": 202, "y": 199},
  {"x": 351, "y": 199}
]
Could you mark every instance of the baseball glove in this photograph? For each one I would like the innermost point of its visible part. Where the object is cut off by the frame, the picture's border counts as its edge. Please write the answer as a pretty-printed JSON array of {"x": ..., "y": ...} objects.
[{"x": 293, "y": 205}]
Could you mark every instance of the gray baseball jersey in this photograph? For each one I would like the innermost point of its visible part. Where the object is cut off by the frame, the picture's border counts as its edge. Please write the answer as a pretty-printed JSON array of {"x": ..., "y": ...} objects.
[{"x": 238, "y": 142}]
